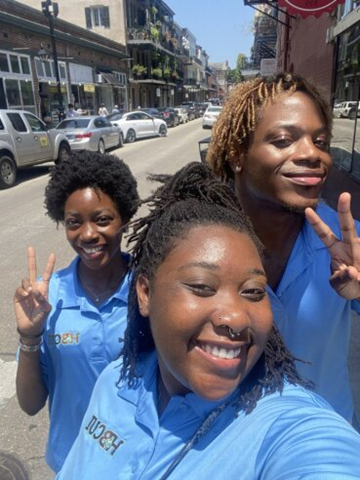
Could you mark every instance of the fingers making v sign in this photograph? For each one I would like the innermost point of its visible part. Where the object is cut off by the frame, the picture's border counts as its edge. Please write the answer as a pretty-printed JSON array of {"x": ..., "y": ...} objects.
[
  {"x": 31, "y": 298},
  {"x": 345, "y": 252}
]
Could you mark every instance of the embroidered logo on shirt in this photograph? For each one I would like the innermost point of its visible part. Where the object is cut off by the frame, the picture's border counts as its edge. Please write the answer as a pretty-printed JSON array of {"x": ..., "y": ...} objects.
[
  {"x": 64, "y": 338},
  {"x": 107, "y": 439}
]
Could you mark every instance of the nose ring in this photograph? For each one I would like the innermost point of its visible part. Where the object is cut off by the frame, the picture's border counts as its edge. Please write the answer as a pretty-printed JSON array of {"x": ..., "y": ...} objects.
[{"x": 232, "y": 333}]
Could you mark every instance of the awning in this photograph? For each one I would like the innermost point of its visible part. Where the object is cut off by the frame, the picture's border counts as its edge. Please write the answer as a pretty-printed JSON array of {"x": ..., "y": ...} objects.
[
  {"x": 306, "y": 8},
  {"x": 112, "y": 79}
]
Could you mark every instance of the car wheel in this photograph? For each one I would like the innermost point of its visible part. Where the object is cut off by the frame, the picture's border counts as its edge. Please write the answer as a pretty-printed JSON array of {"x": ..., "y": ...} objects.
[
  {"x": 352, "y": 114},
  {"x": 162, "y": 131},
  {"x": 7, "y": 171},
  {"x": 101, "y": 146},
  {"x": 64, "y": 152},
  {"x": 131, "y": 136}
]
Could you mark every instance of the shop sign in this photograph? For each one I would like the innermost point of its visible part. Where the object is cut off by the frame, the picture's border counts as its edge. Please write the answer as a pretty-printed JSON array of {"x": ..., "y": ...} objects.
[
  {"x": 306, "y": 8},
  {"x": 88, "y": 87},
  {"x": 53, "y": 89}
]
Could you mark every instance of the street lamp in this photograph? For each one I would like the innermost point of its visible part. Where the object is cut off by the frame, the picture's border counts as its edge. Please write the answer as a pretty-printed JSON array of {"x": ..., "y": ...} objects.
[{"x": 51, "y": 10}]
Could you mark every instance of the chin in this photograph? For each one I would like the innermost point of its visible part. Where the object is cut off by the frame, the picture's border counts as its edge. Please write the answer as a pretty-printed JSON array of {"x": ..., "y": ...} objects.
[{"x": 299, "y": 206}]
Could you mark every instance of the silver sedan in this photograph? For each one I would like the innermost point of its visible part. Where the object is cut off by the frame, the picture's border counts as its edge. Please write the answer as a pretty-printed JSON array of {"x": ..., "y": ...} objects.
[{"x": 91, "y": 133}]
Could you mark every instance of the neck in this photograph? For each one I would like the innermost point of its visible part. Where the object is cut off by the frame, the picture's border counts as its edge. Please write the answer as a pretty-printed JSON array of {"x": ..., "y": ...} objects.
[{"x": 103, "y": 278}]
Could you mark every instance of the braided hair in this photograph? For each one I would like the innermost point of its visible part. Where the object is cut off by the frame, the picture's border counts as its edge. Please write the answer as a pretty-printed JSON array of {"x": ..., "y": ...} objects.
[
  {"x": 232, "y": 133},
  {"x": 191, "y": 198}
]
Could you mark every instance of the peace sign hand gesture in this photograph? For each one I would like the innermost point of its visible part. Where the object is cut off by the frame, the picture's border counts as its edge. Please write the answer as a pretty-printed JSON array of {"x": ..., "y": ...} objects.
[
  {"x": 31, "y": 299},
  {"x": 345, "y": 253}
]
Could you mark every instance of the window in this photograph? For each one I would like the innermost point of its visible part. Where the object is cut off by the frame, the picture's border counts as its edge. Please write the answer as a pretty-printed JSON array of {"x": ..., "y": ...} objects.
[
  {"x": 4, "y": 65},
  {"x": 15, "y": 66},
  {"x": 17, "y": 122},
  {"x": 25, "y": 65},
  {"x": 97, "y": 17},
  {"x": 27, "y": 93},
  {"x": 13, "y": 93},
  {"x": 35, "y": 124}
]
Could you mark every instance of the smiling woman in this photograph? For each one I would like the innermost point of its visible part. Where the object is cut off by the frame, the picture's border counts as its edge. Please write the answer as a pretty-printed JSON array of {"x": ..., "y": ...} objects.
[
  {"x": 205, "y": 383},
  {"x": 71, "y": 322}
]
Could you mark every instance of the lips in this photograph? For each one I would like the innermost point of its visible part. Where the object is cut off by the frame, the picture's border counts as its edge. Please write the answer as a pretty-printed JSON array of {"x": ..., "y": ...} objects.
[
  {"x": 93, "y": 252},
  {"x": 307, "y": 178}
]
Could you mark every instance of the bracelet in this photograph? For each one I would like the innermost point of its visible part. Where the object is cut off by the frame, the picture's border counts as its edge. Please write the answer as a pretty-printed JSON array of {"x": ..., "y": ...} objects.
[
  {"x": 30, "y": 337},
  {"x": 29, "y": 348}
]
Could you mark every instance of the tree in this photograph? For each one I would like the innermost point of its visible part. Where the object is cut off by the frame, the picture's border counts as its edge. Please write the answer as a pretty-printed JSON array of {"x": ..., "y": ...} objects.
[{"x": 234, "y": 75}]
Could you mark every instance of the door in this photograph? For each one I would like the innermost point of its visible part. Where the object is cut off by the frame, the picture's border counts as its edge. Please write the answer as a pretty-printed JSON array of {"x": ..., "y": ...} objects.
[{"x": 45, "y": 148}]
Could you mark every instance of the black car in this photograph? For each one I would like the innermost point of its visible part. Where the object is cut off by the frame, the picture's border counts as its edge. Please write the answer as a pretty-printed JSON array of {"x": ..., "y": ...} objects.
[
  {"x": 154, "y": 112},
  {"x": 170, "y": 116}
]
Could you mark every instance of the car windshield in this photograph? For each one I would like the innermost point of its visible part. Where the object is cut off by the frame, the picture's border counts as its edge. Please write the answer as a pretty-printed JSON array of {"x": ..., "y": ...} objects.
[
  {"x": 214, "y": 109},
  {"x": 74, "y": 123}
]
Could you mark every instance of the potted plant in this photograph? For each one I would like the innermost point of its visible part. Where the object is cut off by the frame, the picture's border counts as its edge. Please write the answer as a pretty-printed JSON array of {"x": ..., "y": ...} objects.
[
  {"x": 167, "y": 72},
  {"x": 157, "y": 72},
  {"x": 174, "y": 42},
  {"x": 138, "y": 70},
  {"x": 166, "y": 36},
  {"x": 154, "y": 33}
]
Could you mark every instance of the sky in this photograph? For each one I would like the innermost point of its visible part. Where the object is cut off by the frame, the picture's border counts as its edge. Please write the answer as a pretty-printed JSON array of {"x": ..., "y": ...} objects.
[{"x": 221, "y": 27}]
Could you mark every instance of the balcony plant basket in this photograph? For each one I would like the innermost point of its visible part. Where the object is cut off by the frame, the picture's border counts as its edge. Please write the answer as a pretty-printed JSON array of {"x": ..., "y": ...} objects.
[
  {"x": 174, "y": 42},
  {"x": 138, "y": 70},
  {"x": 156, "y": 72}
]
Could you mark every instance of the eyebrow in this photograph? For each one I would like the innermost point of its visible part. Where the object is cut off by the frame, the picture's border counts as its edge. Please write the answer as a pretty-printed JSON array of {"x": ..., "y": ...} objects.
[
  {"x": 94, "y": 212},
  {"x": 294, "y": 128},
  {"x": 212, "y": 267}
]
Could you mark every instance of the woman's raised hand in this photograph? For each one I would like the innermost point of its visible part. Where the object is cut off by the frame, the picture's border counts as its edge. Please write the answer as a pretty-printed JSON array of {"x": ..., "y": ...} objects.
[
  {"x": 31, "y": 298},
  {"x": 345, "y": 253}
]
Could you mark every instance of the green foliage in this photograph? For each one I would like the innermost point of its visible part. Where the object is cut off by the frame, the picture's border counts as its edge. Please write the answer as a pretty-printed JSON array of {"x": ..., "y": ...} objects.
[
  {"x": 234, "y": 75},
  {"x": 138, "y": 70},
  {"x": 157, "y": 72},
  {"x": 154, "y": 33},
  {"x": 167, "y": 72}
]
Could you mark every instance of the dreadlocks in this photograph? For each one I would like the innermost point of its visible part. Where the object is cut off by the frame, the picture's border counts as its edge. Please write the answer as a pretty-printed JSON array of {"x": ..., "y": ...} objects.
[
  {"x": 232, "y": 133},
  {"x": 192, "y": 198}
]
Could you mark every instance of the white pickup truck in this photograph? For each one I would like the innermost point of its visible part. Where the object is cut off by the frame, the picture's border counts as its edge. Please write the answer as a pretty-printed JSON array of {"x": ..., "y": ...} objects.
[{"x": 25, "y": 141}]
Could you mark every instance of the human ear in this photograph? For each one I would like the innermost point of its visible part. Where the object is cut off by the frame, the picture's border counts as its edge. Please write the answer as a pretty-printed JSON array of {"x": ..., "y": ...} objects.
[
  {"x": 143, "y": 295},
  {"x": 236, "y": 163}
]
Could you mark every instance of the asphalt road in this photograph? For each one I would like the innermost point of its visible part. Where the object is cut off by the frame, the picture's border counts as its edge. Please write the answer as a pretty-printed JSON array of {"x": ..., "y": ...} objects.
[{"x": 23, "y": 222}]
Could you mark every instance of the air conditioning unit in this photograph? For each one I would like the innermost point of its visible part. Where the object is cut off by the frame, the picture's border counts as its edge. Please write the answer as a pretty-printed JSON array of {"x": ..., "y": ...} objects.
[{"x": 99, "y": 78}]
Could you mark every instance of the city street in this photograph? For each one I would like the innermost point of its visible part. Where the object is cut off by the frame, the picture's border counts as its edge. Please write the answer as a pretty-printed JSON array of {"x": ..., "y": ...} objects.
[{"x": 23, "y": 223}]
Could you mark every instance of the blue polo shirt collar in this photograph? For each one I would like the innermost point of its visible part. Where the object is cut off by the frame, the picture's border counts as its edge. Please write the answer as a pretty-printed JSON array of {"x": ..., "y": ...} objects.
[
  {"x": 71, "y": 295},
  {"x": 144, "y": 395}
]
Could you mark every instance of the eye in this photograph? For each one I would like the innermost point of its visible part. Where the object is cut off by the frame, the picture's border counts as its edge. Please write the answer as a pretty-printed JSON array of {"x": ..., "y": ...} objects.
[
  {"x": 71, "y": 223},
  {"x": 102, "y": 220},
  {"x": 282, "y": 142},
  {"x": 254, "y": 294},
  {"x": 322, "y": 144},
  {"x": 200, "y": 289}
]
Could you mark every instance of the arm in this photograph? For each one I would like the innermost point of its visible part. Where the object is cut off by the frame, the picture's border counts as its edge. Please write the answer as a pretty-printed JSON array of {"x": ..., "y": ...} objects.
[
  {"x": 31, "y": 311},
  {"x": 344, "y": 253}
]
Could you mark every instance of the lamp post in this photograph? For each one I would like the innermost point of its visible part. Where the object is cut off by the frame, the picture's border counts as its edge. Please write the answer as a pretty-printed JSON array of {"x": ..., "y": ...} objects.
[{"x": 51, "y": 10}]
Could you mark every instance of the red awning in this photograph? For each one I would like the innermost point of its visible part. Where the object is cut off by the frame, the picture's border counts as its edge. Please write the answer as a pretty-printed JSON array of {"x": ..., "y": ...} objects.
[{"x": 309, "y": 7}]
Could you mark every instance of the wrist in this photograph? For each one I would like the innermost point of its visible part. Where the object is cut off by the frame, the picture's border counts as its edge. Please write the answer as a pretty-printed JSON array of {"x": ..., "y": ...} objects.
[
  {"x": 30, "y": 336},
  {"x": 25, "y": 346}
]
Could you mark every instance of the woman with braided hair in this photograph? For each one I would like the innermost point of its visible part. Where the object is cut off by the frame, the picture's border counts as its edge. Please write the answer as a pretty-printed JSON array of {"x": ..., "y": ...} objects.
[
  {"x": 272, "y": 140},
  {"x": 204, "y": 387}
]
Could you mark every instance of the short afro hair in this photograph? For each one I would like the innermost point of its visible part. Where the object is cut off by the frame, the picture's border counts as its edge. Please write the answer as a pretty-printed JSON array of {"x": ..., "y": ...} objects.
[{"x": 95, "y": 170}]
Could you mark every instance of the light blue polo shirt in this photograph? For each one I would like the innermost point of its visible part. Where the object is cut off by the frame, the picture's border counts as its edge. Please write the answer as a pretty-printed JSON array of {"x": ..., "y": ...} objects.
[
  {"x": 80, "y": 340},
  {"x": 313, "y": 319},
  {"x": 287, "y": 436}
]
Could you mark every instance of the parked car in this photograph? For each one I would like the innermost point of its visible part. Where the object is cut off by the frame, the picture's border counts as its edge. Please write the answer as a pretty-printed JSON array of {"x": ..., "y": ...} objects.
[
  {"x": 210, "y": 116},
  {"x": 343, "y": 109},
  {"x": 354, "y": 112},
  {"x": 24, "y": 141},
  {"x": 183, "y": 114},
  {"x": 170, "y": 116},
  {"x": 138, "y": 124},
  {"x": 154, "y": 112},
  {"x": 190, "y": 110},
  {"x": 194, "y": 107},
  {"x": 91, "y": 133}
]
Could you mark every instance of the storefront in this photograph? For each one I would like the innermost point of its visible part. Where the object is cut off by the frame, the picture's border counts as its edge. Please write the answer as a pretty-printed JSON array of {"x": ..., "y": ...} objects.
[
  {"x": 82, "y": 88},
  {"x": 16, "y": 83},
  {"x": 111, "y": 89},
  {"x": 48, "y": 91},
  {"x": 346, "y": 135}
]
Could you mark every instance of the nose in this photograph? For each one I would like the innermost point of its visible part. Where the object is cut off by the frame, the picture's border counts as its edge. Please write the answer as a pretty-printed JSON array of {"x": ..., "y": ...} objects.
[
  {"x": 307, "y": 151},
  {"x": 233, "y": 319},
  {"x": 88, "y": 232}
]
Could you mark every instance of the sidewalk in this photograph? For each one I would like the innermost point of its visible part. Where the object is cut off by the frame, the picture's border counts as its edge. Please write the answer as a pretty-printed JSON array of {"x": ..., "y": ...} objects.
[{"x": 338, "y": 182}]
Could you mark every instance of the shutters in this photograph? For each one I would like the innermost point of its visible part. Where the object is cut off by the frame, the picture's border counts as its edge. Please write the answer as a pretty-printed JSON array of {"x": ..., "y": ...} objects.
[
  {"x": 106, "y": 18},
  {"x": 88, "y": 18}
]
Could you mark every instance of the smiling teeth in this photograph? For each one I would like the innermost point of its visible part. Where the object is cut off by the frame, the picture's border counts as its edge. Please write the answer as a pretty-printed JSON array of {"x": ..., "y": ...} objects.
[
  {"x": 222, "y": 352},
  {"x": 92, "y": 250}
]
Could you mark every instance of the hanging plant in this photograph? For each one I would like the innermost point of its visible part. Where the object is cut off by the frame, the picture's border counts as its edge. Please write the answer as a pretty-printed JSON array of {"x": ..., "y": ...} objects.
[
  {"x": 167, "y": 72},
  {"x": 154, "y": 34},
  {"x": 174, "y": 42},
  {"x": 166, "y": 36},
  {"x": 138, "y": 70},
  {"x": 156, "y": 72}
]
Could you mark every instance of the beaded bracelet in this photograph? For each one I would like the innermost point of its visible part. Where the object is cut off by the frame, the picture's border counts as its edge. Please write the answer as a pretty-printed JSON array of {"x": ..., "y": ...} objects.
[
  {"x": 30, "y": 337},
  {"x": 29, "y": 348}
]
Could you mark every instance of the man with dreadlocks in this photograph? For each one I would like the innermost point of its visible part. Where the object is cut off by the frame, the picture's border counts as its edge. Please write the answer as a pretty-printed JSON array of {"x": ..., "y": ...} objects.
[
  {"x": 272, "y": 140},
  {"x": 205, "y": 387}
]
